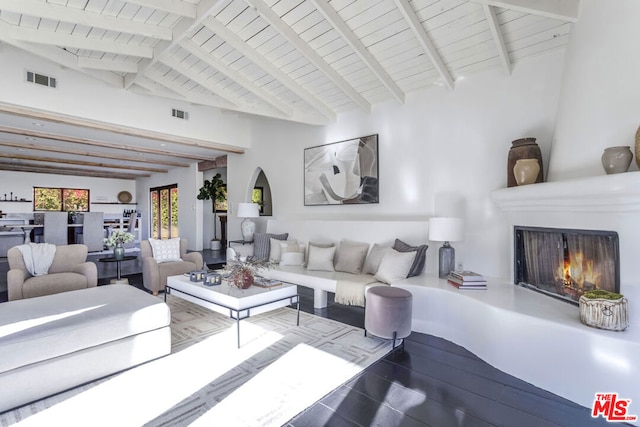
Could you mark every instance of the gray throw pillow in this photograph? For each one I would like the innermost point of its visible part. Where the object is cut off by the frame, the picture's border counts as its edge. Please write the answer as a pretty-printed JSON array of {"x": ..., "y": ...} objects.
[
  {"x": 418, "y": 262},
  {"x": 262, "y": 244},
  {"x": 350, "y": 256}
]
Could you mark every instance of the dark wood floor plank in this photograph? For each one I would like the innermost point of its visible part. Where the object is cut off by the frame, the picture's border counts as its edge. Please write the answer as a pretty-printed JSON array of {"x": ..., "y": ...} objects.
[{"x": 320, "y": 415}]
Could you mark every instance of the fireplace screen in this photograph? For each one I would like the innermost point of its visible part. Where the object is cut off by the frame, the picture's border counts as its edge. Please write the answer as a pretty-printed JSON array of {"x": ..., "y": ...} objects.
[{"x": 565, "y": 263}]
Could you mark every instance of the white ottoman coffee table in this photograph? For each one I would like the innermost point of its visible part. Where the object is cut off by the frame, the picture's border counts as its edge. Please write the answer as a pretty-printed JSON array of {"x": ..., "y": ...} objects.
[{"x": 229, "y": 300}]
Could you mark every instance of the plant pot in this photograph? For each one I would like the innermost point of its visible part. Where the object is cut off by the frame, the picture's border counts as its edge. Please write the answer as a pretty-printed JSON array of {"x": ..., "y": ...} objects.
[
  {"x": 604, "y": 313},
  {"x": 216, "y": 245}
]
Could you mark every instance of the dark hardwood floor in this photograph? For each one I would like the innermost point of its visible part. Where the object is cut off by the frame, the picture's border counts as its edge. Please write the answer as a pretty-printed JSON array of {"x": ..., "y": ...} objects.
[{"x": 433, "y": 383}]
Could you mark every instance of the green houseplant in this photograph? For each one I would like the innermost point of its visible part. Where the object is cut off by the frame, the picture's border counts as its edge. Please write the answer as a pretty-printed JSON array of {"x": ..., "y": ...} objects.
[{"x": 215, "y": 191}]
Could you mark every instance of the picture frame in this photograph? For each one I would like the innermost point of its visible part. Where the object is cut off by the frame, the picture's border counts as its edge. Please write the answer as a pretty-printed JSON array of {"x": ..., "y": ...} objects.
[{"x": 342, "y": 173}]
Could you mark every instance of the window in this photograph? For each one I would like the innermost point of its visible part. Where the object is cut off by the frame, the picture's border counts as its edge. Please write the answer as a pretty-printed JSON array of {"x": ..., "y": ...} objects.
[
  {"x": 164, "y": 212},
  {"x": 60, "y": 199}
]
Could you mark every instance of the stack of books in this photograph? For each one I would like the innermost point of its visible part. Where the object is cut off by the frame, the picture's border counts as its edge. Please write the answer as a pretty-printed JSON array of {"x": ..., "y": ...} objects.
[{"x": 467, "y": 280}]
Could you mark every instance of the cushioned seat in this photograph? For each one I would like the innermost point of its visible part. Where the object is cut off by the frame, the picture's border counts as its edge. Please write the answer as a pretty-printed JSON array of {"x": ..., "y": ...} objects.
[
  {"x": 154, "y": 273},
  {"x": 388, "y": 313}
]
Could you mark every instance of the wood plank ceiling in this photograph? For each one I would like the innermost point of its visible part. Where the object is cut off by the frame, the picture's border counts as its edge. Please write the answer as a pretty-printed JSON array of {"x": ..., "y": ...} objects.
[{"x": 297, "y": 60}]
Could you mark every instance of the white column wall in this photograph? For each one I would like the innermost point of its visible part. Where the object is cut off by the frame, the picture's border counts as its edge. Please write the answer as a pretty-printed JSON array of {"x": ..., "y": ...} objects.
[
  {"x": 600, "y": 101},
  {"x": 441, "y": 153}
]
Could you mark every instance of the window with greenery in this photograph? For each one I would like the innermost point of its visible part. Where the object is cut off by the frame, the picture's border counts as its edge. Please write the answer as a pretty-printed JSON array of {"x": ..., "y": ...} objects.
[{"x": 60, "y": 199}]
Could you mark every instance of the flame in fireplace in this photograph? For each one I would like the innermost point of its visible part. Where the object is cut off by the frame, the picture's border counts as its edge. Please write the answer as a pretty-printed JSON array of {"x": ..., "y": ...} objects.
[{"x": 579, "y": 273}]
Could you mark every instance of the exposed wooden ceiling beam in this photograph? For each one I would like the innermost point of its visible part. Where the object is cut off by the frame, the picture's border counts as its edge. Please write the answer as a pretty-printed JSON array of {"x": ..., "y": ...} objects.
[
  {"x": 138, "y": 159},
  {"x": 237, "y": 43},
  {"x": 52, "y": 38},
  {"x": 82, "y": 17},
  {"x": 182, "y": 30},
  {"x": 292, "y": 37},
  {"x": 425, "y": 41},
  {"x": 69, "y": 171},
  {"x": 494, "y": 27},
  {"x": 94, "y": 143},
  {"x": 59, "y": 56},
  {"x": 107, "y": 65},
  {"x": 175, "y": 7},
  {"x": 235, "y": 76},
  {"x": 358, "y": 47},
  {"x": 79, "y": 162},
  {"x": 119, "y": 129},
  {"x": 218, "y": 162},
  {"x": 563, "y": 10}
]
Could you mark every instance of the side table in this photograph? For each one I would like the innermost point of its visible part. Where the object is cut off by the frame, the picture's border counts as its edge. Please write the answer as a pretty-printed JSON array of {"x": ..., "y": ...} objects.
[{"x": 119, "y": 280}]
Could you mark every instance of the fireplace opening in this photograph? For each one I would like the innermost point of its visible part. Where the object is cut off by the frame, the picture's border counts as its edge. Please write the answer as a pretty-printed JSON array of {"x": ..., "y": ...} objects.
[{"x": 565, "y": 263}]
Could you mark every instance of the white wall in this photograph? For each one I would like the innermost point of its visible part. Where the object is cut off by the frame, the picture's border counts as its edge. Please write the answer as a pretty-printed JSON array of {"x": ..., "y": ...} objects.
[
  {"x": 76, "y": 95},
  {"x": 441, "y": 153},
  {"x": 600, "y": 103}
]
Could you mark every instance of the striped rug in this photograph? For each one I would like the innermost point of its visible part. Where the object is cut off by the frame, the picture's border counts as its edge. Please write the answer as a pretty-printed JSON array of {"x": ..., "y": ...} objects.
[{"x": 280, "y": 370}]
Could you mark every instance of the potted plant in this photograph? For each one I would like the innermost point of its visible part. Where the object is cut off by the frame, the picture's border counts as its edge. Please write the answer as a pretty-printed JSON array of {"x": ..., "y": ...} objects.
[
  {"x": 241, "y": 272},
  {"x": 213, "y": 190},
  {"x": 604, "y": 310}
]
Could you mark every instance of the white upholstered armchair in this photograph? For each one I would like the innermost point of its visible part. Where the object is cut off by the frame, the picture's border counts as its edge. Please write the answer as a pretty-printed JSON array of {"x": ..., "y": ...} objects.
[{"x": 157, "y": 267}]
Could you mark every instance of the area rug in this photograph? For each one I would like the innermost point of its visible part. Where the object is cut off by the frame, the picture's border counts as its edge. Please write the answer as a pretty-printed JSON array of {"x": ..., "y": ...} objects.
[{"x": 279, "y": 370}]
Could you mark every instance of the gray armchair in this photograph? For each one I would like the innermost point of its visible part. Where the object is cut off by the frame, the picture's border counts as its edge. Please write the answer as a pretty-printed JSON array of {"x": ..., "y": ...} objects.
[
  {"x": 69, "y": 271},
  {"x": 154, "y": 274}
]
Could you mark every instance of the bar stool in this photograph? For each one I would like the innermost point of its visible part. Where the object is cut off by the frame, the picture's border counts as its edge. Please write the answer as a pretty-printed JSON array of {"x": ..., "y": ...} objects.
[{"x": 388, "y": 313}]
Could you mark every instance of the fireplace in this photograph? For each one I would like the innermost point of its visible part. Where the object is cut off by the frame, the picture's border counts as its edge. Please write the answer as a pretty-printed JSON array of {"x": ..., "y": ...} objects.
[{"x": 565, "y": 263}]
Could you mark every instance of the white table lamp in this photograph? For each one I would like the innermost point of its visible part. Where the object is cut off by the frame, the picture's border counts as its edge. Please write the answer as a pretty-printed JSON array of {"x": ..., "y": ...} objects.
[
  {"x": 248, "y": 226},
  {"x": 444, "y": 229}
]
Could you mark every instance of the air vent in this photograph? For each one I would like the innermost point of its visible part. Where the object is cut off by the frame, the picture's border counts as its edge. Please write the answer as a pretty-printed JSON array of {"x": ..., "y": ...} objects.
[
  {"x": 179, "y": 114},
  {"x": 41, "y": 79}
]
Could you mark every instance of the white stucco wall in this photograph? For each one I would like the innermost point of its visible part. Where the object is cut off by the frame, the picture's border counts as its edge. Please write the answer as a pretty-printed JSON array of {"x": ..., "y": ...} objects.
[{"x": 441, "y": 153}]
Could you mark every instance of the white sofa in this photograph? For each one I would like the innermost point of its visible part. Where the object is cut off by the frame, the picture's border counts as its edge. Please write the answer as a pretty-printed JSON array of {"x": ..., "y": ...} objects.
[
  {"x": 56, "y": 342},
  {"x": 384, "y": 232}
]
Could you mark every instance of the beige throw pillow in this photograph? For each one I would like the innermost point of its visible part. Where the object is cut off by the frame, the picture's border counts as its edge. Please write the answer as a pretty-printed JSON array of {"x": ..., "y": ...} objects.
[
  {"x": 321, "y": 259},
  {"x": 351, "y": 256},
  {"x": 372, "y": 262}
]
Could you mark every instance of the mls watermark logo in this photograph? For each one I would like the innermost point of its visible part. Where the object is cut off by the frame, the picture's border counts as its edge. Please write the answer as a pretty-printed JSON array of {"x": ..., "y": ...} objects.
[{"x": 611, "y": 408}]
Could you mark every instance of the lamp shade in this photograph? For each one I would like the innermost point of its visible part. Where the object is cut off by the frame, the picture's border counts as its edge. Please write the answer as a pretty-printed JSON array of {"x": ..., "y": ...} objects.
[
  {"x": 444, "y": 229},
  {"x": 248, "y": 210}
]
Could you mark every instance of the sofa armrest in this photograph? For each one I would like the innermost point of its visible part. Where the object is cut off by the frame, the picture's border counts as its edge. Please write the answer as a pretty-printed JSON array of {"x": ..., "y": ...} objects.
[
  {"x": 90, "y": 271},
  {"x": 15, "y": 280},
  {"x": 194, "y": 257},
  {"x": 151, "y": 274}
]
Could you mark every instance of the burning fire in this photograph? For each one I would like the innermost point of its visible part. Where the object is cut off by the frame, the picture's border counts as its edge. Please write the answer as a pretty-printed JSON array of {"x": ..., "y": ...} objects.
[{"x": 577, "y": 271}]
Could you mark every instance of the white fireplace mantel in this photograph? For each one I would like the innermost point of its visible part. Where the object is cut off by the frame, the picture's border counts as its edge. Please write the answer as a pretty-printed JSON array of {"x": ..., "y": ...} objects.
[{"x": 606, "y": 193}]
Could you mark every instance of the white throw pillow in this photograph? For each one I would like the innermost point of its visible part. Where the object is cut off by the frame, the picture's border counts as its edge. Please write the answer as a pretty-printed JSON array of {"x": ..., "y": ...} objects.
[
  {"x": 274, "y": 252},
  {"x": 394, "y": 266},
  {"x": 373, "y": 259},
  {"x": 165, "y": 250},
  {"x": 321, "y": 259}
]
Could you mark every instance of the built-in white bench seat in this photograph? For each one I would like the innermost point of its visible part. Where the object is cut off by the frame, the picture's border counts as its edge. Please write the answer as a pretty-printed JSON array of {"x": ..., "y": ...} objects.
[{"x": 531, "y": 336}]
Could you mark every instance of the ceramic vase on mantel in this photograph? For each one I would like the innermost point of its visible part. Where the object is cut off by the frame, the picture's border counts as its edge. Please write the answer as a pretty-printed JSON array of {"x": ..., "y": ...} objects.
[
  {"x": 118, "y": 251},
  {"x": 616, "y": 159},
  {"x": 526, "y": 171},
  {"x": 523, "y": 148}
]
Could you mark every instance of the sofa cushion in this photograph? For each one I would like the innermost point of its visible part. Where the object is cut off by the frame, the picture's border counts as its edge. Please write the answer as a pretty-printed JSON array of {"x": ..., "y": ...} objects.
[
  {"x": 372, "y": 262},
  {"x": 321, "y": 258},
  {"x": 166, "y": 250},
  {"x": 394, "y": 266},
  {"x": 350, "y": 256},
  {"x": 36, "y": 329},
  {"x": 53, "y": 283},
  {"x": 420, "y": 257},
  {"x": 262, "y": 244}
]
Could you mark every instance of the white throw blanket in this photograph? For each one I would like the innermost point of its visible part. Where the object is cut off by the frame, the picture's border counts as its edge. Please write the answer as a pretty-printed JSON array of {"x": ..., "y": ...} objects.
[
  {"x": 38, "y": 257},
  {"x": 351, "y": 291}
]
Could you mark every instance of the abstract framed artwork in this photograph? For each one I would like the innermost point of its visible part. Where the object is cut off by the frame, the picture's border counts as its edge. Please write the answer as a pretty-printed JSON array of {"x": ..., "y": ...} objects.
[{"x": 342, "y": 173}]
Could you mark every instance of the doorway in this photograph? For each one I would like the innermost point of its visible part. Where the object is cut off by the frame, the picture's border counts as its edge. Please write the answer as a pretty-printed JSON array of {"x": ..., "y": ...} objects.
[{"x": 164, "y": 212}]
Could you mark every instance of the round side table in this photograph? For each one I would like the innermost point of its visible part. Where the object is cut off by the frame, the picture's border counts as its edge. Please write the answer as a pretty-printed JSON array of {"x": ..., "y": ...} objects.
[{"x": 119, "y": 280}]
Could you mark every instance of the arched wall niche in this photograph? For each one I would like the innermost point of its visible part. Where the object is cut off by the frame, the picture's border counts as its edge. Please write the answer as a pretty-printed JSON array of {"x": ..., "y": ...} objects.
[{"x": 259, "y": 191}]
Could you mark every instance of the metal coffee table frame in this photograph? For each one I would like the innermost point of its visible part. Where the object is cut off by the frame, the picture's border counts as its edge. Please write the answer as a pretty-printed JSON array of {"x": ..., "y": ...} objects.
[{"x": 237, "y": 313}]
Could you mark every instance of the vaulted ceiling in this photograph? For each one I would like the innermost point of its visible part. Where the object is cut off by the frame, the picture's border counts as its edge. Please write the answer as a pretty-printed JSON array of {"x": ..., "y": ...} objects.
[{"x": 298, "y": 60}]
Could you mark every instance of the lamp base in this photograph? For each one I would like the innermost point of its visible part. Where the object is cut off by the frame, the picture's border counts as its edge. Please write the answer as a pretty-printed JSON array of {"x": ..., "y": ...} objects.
[
  {"x": 446, "y": 260},
  {"x": 248, "y": 228}
]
